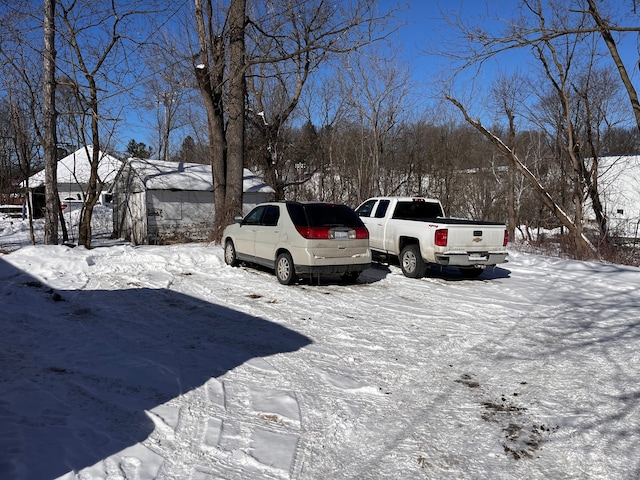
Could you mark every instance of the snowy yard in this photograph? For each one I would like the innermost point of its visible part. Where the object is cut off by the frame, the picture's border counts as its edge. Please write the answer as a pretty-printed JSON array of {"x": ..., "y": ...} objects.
[{"x": 125, "y": 362}]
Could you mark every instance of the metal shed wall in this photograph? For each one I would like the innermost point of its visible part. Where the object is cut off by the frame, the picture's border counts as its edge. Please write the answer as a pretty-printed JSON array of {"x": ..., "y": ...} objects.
[{"x": 179, "y": 215}]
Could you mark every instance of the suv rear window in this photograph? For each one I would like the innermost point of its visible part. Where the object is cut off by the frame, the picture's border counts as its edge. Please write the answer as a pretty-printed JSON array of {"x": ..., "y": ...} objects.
[{"x": 323, "y": 215}]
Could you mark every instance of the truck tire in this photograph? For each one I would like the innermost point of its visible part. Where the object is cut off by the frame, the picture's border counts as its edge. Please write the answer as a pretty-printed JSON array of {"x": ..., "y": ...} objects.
[{"x": 411, "y": 262}]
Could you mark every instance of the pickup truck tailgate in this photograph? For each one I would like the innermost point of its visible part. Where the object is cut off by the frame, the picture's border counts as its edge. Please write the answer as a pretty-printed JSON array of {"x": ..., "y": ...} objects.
[
  {"x": 470, "y": 243},
  {"x": 463, "y": 237}
]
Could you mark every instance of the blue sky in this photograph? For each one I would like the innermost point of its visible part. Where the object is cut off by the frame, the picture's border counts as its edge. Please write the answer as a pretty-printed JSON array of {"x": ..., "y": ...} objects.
[
  {"x": 424, "y": 25},
  {"x": 425, "y": 30}
]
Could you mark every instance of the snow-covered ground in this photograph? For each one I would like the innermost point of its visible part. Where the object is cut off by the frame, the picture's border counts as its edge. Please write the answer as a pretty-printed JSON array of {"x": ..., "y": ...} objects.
[{"x": 125, "y": 362}]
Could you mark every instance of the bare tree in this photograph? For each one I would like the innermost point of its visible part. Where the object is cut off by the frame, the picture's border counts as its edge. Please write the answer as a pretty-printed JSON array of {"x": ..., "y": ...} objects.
[
  {"x": 597, "y": 99},
  {"x": 540, "y": 189},
  {"x": 327, "y": 108},
  {"x": 284, "y": 44},
  {"x": 23, "y": 145},
  {"x": 168, "y": 93},
  {"x": 558, "y": 38},
  {"x": 32, "y": 89},
  {"x": 93, "y": 36},
  {"x": 508, "y": 93},
  {"x": 23, "y": 109},
  {"x": 223, "y": 102},
  {"x": 288, "y": 44},
  {"x": 376, "y": 92}
]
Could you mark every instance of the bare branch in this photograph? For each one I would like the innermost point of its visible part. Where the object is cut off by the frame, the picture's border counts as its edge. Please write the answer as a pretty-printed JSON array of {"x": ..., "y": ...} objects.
[
  {"x": 540, "y": 190},
  {"x": 605, "y": 30}
]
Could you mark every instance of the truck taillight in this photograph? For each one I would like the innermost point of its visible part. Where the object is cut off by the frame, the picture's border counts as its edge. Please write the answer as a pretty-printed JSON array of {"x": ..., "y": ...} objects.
[
  {"x": 506, "y": 238},
  {"x": 441, "y": 237}
]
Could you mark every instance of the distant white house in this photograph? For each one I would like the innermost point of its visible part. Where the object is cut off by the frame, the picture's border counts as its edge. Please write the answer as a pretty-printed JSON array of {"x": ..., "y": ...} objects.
[
  {"x": 73, "y": 174},
  {"x": 156, "y": 202},
  {"x": 619, "y": 186}
]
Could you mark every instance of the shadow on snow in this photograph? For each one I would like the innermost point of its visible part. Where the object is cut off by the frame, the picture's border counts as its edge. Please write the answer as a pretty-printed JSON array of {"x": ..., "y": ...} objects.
[
  {"x": 378, "y": 271},
  {"x": 78, "y": 374}
]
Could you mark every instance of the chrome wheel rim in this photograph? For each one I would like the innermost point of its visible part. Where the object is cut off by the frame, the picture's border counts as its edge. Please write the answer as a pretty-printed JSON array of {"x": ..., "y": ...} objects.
[
  {"x": 409, "y": 261},
  {"x": 283, "y": 268},
  {"x": 228, "y": 253}
]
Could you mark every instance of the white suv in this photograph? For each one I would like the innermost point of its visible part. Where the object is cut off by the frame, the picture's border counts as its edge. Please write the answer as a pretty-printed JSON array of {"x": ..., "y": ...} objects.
[{"x": 296, "y": 238}]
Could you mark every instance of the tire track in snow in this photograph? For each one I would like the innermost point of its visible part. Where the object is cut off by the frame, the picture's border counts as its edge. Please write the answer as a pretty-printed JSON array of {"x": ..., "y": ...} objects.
[{"x": 227, "y": 421}]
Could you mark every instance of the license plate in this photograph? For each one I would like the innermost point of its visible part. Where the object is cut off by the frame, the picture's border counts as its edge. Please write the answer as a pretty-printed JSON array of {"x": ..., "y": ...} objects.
[{"x": 340, "y": 234}]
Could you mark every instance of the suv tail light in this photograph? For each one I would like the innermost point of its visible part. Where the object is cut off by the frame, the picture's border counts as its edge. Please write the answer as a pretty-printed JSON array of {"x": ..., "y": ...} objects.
[
  {"x": 362, "y": 232},
  {"x": 329, "y": 233},
  {"x": 506, "y": 238},
  {"x": 441, "y": 237},
  {"x": 313, "y": 233}
]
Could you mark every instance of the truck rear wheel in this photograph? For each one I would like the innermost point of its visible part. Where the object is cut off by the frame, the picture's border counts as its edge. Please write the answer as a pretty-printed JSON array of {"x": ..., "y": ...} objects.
[{"x": 411, "y": 262}]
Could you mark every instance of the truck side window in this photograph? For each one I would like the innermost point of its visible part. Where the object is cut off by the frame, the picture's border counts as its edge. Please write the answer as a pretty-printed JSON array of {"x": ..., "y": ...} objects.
[
  {"x": 365, "y": 209},
  {"x": 382, "y": 208}
]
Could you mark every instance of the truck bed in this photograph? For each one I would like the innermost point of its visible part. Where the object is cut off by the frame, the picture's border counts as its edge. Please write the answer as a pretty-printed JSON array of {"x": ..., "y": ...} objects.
[{"x": 455, "y": 221}]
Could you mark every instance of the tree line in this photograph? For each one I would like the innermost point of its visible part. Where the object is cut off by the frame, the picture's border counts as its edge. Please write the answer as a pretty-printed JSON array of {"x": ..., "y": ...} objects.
[{"x": 310, "y": 95}]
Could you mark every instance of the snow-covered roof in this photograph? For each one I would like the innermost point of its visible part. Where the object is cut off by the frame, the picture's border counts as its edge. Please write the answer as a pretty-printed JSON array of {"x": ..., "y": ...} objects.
[
  {"x": 162, "y": 175},
  {"x": 76, "y": 168}
]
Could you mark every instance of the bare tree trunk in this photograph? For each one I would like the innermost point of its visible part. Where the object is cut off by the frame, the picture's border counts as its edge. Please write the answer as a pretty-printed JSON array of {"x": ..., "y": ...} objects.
[
  {"x": 94, "y": 188},
  {"x": 236, "y": 133},
  {"x": 22, "y": 151},
  {"x": 49, "y": 113},
  {"x": 513, "y": 219},
  {"x": 590, "y": 176},
  {"x": 210, "y": 78},
  {"x": 63, "y": 225}
]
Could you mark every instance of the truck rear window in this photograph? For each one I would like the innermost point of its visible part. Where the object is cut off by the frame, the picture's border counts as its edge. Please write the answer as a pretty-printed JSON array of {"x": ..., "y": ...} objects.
[{"x": 417, "y": 210}]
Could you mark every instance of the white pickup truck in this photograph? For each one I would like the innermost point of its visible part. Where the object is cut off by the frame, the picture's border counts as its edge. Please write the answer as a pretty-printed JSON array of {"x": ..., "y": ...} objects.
[{"x": 416, "y": 231}]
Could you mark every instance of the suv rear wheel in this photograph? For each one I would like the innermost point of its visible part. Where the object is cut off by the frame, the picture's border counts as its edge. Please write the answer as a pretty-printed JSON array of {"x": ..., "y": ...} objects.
[{"x": 285, "y": 271}]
